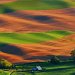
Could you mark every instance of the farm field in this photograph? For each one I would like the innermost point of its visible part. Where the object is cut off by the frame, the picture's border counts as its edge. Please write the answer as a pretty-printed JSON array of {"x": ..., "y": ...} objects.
[
  {"x": 39, "y": 4},
  {"x": 37, "y": 37},
  {"x": 62, "y": 69},
  {"x": 32, "y": 31},
  {"x": 27, "y": 21},
  {"x": 37, "y": 51}
]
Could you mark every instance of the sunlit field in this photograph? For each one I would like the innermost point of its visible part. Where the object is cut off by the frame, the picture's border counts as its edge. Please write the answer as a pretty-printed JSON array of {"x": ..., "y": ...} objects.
[{"x": 37, "y": 37}]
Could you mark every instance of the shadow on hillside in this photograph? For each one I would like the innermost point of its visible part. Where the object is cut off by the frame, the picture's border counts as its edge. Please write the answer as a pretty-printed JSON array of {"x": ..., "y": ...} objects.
[
  {"x": 72, "y": 73},
  {"x": 40, "y": 18},
  {"x": 70, "y": 11},
  {"x": 5, "y": 9},
  {"x": 2, "y": 22},
  {"x": 49, "y": 57},
  {"x": 11, "y": 49}
]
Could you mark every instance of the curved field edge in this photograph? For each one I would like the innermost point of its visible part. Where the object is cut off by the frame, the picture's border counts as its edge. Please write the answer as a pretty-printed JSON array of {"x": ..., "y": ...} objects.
[
  {"x": 40, "y": 4},
  {"x": 25, "y": 38}
]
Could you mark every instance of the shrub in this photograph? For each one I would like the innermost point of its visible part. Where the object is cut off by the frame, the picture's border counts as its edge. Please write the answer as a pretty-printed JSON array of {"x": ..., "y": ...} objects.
[
  {"x": 55, "y": 60},
  {"x": 73, "y": 54},
  {"x": 5, "y": 64}
]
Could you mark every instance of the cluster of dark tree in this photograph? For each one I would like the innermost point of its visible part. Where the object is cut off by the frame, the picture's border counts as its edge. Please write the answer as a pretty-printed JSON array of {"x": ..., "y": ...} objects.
[
  {"x": 73, "y": 54},
  {"x": 6, "y": 9},
  {"x": 56, "y": 60},
  {"x": 4, "y": 64}
]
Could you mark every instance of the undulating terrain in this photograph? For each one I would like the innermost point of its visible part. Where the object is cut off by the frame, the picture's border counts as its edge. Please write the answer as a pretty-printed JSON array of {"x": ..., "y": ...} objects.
[
  {"x": 38, "y": 20},
  {"x": 29, "y": 33}
]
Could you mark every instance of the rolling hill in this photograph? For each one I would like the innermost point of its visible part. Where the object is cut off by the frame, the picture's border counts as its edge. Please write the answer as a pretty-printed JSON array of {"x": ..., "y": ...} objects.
[
  {"x": 38, "y": 37},
  {"x": 38, "y": 20},
  {"x": 33, "y": 51},
  {"x": 14, "y": 17},
  {"x": 31, "y": 31},
  {"x": 40, "y": 4}
]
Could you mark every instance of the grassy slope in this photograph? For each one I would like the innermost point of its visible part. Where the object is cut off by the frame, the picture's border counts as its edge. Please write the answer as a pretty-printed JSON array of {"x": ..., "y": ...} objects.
[
  {"x": 32, "y": 37},
  {"x": 64, "y": 69},
  {"x": 40, "y": 4}
]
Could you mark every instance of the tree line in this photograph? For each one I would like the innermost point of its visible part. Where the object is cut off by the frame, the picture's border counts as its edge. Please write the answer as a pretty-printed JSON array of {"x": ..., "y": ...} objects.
[{"x": 5, "y": 64}]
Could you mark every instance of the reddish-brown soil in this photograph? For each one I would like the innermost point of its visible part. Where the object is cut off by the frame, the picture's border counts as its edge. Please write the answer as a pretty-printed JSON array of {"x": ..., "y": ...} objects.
[
  {"x": 39, "y": 52},
  {"x": 6, "y": 1},
  {"x": 38, "y": 20}
]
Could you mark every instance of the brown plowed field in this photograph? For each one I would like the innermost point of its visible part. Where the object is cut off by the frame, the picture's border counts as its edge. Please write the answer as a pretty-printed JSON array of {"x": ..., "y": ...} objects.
[
  {"x": 6, "y": 1},
  {"x": 38, "y": 20},
  {"x": 38, "y": 52}
]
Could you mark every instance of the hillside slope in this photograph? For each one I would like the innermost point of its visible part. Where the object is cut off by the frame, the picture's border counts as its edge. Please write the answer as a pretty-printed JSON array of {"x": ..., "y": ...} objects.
[
  {"x": 37, "y": 52},
  {"x": 38, "y": 20},
  {"x": 28, "y": 35},
  {"x": 29, "y": 38},
  {"x": 40, "y": 4}
]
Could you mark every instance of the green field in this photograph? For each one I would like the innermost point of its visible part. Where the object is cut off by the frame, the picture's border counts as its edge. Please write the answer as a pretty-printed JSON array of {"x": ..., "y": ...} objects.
[
  {"x": 32, "y": 37},
  {"x": 65, "y": 68},
  {"x": 41, "y": 4},
  {"x": 36, "y": 5},
  {"x": 61, "y": 69}
]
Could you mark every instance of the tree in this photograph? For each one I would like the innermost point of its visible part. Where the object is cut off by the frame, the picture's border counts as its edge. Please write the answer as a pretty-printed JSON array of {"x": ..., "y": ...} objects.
[
  {"x": 55, "y": 60},
  {"x": 73, "y": 54},
  {"x": 5, "y": 64},
  {"x": 6, "y": 9}
]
